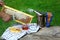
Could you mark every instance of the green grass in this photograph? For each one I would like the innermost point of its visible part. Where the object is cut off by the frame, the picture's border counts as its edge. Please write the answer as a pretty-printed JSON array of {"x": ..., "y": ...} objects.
[{"x": 41, "y": 5}]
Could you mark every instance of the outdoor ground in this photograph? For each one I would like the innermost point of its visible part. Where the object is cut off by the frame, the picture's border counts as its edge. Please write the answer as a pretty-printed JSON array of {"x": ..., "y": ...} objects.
[
  {"x": 52, "y": 33},
  {"x": 41, "y": 5}
]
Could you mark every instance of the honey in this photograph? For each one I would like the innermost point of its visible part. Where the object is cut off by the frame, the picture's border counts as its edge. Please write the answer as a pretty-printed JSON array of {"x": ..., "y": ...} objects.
[{"x": 25, "y": 27}]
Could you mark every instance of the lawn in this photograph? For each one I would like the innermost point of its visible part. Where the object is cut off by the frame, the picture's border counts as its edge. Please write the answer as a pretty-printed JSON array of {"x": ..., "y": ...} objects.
[{"x": 41, "y": 5}]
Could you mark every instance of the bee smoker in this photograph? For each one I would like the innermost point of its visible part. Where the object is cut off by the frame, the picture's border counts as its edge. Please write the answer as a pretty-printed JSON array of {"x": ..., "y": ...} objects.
[{"x": 40, "y": 19}]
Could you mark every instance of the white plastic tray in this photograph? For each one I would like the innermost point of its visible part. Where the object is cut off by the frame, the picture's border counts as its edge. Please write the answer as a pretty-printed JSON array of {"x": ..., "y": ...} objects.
[{"x": 14, "y": 36}]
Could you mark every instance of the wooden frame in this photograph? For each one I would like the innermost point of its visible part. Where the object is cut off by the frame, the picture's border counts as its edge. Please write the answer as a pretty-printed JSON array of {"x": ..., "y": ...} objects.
[{"x": 19, "y": 15}]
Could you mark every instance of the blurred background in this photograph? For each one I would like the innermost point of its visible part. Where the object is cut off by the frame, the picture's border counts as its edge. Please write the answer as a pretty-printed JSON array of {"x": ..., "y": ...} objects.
[{"x": 40, "y": 5}]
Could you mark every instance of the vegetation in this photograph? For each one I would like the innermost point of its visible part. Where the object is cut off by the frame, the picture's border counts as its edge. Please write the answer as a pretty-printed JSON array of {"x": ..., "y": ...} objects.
[{"x": 41, "y": 5}]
